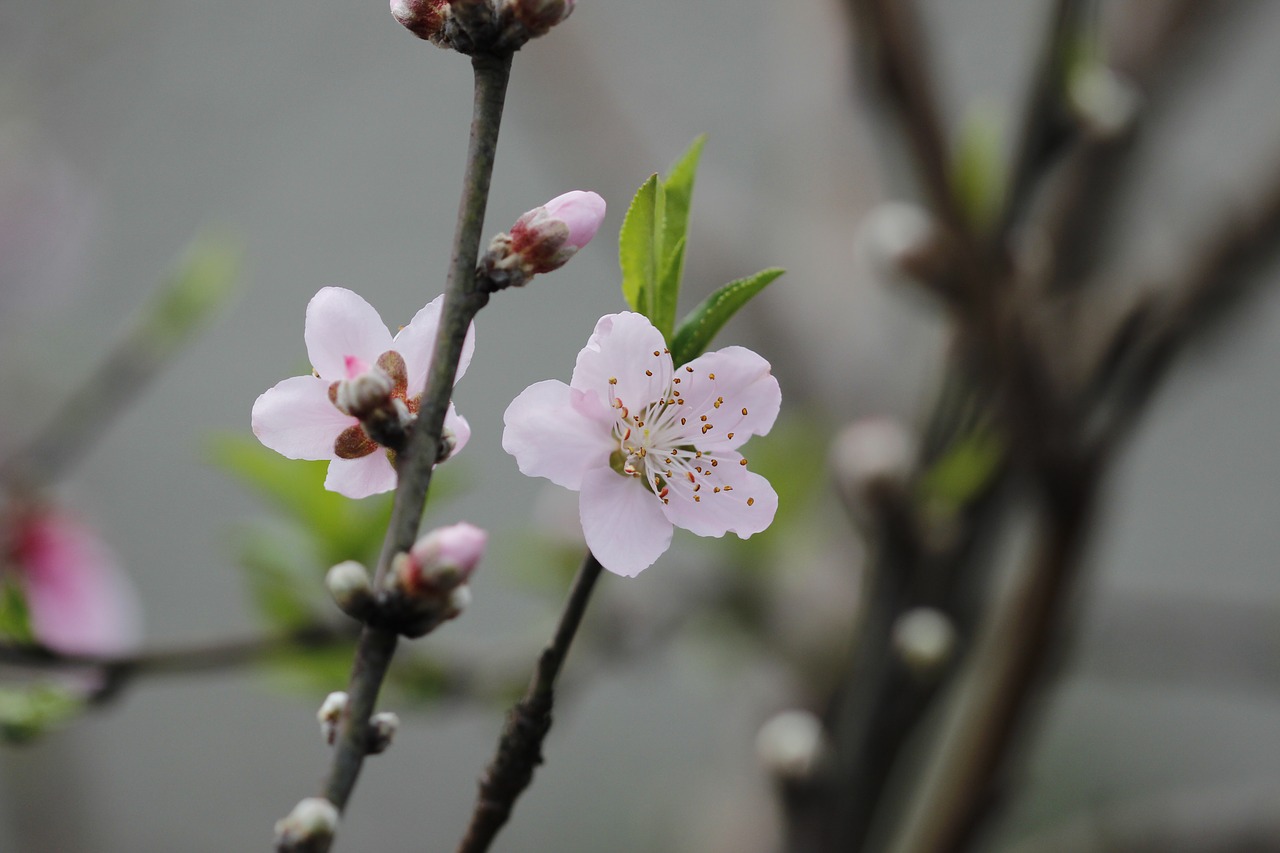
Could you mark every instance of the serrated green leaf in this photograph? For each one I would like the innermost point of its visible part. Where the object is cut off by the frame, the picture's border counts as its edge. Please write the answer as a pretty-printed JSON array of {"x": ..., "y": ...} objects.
[
  {"x": 669, "y": 290},
  {"x": 678, "y": 185},
  {"x": 30, "y": 711},
  {"x": 964, "y": 471},
  {"x": 700, "y": 325},
  {"x": 638, "y": 249}
]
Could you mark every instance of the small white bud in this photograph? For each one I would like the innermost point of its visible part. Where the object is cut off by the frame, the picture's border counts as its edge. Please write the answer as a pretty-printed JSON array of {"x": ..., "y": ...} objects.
[
  {"x": 791, "y": 745},
  {"x": 309, "y": 828},
  {"x": 872, "y": 459},
  {"x": 924, "y": 639},
  {"x": 1105, "y": 102},
  {"x": 330, "y": 715},
  {"x": 899, "y": 242},
  {"x": 382, "y": 729},
  {"x": 363, "y": 393},
  {"x": 352, "y": 591}
]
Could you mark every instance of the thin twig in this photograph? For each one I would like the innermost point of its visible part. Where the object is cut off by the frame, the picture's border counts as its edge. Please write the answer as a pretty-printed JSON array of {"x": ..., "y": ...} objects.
[
  {"x": 520, "y": 747},
  {"x": 414, "y": 466}
]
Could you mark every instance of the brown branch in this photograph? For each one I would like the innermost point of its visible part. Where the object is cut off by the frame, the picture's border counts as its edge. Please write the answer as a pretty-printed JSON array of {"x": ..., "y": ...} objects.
[{"x": 520, "y": 747}]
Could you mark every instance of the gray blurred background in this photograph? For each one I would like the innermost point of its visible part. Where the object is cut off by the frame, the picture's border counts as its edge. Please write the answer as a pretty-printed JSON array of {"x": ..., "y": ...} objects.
[{"x": 331, "y": 141}]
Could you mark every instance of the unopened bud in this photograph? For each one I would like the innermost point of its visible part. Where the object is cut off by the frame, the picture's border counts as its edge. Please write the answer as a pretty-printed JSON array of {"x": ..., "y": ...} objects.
[
  {"x": 309, "y": 828},
  {"x": 872, "y": 459},
  {"x": 352, "y": 591},
  {"x": 924, "y": 639},
  {"x": 424, "y": 18},
  {"x": 543, "y": 239},
  {"x": 382, "y": 729},
  {"x": 365, "y": 389},
  {"x": 539, "y": 16},
  {"x": 1105, "y": 103},
  {"x": 427, "y": 585},
  {"x": 901, "y": 244},
  {"x": 330, "y": 715},
  {"x": 791, "y": 745},
  {"x": 448, "y": 444}
]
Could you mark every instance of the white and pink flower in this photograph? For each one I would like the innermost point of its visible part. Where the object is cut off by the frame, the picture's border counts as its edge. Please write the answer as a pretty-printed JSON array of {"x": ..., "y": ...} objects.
[
  {"x": 649, "y": 446},
  {"x": 346, "y": 339},
  {"x": 78, "y": 599}
]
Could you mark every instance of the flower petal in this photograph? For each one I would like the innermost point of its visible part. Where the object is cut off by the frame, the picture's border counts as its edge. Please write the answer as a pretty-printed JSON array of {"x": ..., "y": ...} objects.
[
  {"x": 360, "y": 478},
  {"x": 736, "y": 391},
  {"x": 622, "y": 522},
  {"x": 297, "y": 420},
  {"x": 416, "y": 341},
  {"x": 340, "y": 324},
  {"x": 730, "y": 499},
  {"x": 626, "y": 358},
  {"x": 79, "y": 600},
  {"x": 549, "y": 437},
  {"x": 461, "y": 429}
]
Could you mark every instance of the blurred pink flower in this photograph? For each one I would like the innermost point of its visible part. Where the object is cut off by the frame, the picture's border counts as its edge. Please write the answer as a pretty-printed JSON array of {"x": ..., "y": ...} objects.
[
  {"x": 78, "y": 599},
  {"x": 647, "y": 445},
  {"x": 299, "y": 418}
]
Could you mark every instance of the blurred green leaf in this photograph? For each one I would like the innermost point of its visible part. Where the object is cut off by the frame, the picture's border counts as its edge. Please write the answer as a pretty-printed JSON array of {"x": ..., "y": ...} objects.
[
  {"x": 204, "y": 281},
  {"x": 978, "y": 170},
  {"x": 282, "y": 580},
  {"x": 15, "y": 620},
  {"x": 964, "y": 471},
  {"x": 343, "y": 529},
  {"x": 700, "y": 325},
  {"x": 29, "y": 711}
]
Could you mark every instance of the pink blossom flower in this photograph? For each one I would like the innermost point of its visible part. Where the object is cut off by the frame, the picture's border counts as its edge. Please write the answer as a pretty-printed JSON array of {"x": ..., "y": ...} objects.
[
  {"x": 78, "y": 599},
  {"x": 299, "y": 417},
  {"x": 647, "y": 445}
]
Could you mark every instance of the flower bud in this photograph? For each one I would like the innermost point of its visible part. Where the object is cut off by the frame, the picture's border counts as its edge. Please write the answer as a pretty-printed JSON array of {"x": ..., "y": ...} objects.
[
  {"x": 424, "y": 18},
  {"x": 791, "y": 745},
  {"x": 382, "y": 729},
  {"x": 365, "y": 389},
  {"x": 924, "y": 639},
  {"x": 543, "y": 239},
  {"x": 872, "y": 459},
  {"x": 349, "y": 584},
  {"x": 330, "y": 715},
  {"x": 902, "y": 244},
  {"x": 1105, "y": 103},
  {"x": 539, "y": 16},
  {"x": 427, "y": 585},
  {"x": 458, "y": 547},
  {"x": 309, "y": 828}
]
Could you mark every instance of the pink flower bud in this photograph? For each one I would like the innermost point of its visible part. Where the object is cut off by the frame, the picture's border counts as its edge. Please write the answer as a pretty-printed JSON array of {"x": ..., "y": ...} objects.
[
  {"x": 456, "y": 548},
  {"x": 424, "y": 18},
  {"x": 539, "y": 16},
  {"x": 543, "y": 239},
  {"x": 581, "y": 211}
]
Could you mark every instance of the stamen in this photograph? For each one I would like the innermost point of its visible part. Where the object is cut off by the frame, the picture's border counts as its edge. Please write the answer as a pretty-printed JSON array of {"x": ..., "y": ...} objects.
[
  {"x": 689, "y": 474},
  {"x": 728, "y": 488},
  {"x": 697, "y": 486},
  {"x": 751, "y": 501},
  {"x": 613, "y": 380},
  {"x": 742, "y": 461},
  {"x": 682, "y": 422},
  {"x": 714, "y": 463},
  {"x": 702, "y": 417},
  {"x": 744, "y": 411},
  {"x": 717, "y": 490},
  {"x": 649, "y": 372},
  {"x": 688, "y": 370},
  {"x": 656, "y": 353},
  {"x": 711, "y": 376},
  {"x": 676, "y": 380},
  {"x": 730, "y": 435},
  {"x": 697, "y": 498},
  {"x": 665, "y": 491}
]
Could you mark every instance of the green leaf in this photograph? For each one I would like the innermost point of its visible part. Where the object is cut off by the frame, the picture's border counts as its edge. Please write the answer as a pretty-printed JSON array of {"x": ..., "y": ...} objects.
[
  {"x": 978, "y": 167},
  {"x": 964, "y": 471},
  {"x": 700, "y": 325},
  {"x": 29, "y": 711},
  {"x": 283, "y": 584},
  {"x": 204, "y": 281},
  {"x": 678, "y": 196},
  {"x": 15, "y": 619},
  {"x": 638, "y": 248}
]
